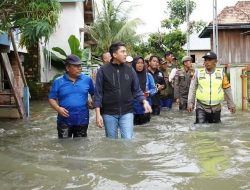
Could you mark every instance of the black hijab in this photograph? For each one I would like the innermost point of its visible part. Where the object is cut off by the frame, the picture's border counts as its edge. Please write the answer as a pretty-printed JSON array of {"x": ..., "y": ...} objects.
[{"x": 141, "y": 74}]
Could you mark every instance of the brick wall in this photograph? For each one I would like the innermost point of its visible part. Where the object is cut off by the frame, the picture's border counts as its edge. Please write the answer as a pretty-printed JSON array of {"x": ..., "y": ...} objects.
[{"x": 9, "y": 99}]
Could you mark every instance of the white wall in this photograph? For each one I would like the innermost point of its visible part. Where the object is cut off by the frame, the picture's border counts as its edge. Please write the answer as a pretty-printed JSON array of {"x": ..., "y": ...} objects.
[
  {"x": 236, "y": 85},
  {"x": 70, "y": 21}
]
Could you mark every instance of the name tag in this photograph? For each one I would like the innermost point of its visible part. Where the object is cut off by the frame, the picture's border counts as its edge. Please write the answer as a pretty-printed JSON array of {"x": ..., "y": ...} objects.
[
  {"x": 218, "y": 75},
  {"x": 202, "y": 76}
]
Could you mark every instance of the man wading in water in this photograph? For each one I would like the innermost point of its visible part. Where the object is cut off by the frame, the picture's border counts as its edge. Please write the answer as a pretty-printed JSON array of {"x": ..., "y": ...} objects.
[
  {"x": 69, "y": 97},
  {"x": 208, "y": 86},
  {"x": 116, "y": 87}
]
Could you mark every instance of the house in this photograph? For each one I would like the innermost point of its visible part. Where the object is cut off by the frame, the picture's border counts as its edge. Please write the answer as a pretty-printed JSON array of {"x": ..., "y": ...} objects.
[
  {"x": 234, "y": 48},
  {"x": 75, "y": 14},
  {"x": 198, "y": 48},
  {"x": 12, "y": 104},
  {"x": 233, "y": 27}
]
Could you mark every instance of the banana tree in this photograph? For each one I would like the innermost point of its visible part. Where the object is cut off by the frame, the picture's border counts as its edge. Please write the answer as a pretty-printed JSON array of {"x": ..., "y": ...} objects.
[{"x": 58, "y": 55}]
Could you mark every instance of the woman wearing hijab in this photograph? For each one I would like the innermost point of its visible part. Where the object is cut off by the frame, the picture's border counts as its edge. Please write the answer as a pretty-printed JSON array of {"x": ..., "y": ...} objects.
[{"x": 147, "y": 85}]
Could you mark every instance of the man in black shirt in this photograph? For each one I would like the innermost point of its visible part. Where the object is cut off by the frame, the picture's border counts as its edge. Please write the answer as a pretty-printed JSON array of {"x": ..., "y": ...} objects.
[
  {"x": 116, "y": 87},
  {"x": 154, "y": 62}
]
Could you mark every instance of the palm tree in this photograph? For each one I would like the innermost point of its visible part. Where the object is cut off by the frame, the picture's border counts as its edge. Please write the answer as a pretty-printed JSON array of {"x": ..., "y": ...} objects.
[{"x": 112, "y": 25}]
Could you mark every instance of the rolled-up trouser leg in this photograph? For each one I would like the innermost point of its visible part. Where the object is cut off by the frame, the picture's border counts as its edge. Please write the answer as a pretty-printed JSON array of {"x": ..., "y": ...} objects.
[{"x": 201, "y": 116}]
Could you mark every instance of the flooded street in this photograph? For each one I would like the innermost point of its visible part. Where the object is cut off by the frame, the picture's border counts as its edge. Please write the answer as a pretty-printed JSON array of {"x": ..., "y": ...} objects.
[{"x": 168, "y": 153}]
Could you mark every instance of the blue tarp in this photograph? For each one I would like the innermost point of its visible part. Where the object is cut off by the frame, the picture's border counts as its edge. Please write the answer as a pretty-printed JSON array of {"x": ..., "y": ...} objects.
[{"x": 4, "y": 40}]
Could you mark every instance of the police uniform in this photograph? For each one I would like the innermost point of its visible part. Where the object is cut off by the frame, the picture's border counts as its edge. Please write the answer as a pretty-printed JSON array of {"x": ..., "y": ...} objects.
[
  {"x": 209, "y": 89},
  {"x": 167, "y": 95},
  {"x": 181, "y": 86}
]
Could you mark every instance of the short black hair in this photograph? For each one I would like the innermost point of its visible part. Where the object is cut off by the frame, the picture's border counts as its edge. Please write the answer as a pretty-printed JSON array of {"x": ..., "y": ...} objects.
[
  {"x": 115, "y": 47},
  {"x": 155, "y": 56},
  {"x": 168, "y": 53},
  {"x": 102, "y": 56}
]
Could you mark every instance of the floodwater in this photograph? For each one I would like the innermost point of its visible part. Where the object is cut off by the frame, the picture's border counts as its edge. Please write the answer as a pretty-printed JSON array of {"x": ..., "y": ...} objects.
[{"x": 168, "y": 153}]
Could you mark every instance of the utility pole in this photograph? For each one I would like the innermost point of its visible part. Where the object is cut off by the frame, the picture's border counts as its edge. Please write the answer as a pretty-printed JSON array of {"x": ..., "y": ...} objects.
[
  {"x": 215, "y": 29},
  {"x": 187, "y": 20}
]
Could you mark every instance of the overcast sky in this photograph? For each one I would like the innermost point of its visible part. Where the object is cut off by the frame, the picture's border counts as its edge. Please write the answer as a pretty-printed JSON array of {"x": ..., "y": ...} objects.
[{"x": 151, "y": 12}]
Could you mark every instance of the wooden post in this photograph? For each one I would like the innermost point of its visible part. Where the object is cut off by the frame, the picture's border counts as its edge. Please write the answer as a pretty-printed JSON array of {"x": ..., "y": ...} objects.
[
  {"x": 26, "y": 94},
  {"x": 17, "y": 57}
]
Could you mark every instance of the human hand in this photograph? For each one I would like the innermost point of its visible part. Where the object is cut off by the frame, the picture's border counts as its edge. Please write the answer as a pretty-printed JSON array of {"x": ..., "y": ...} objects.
[
  {"x": 177, "y": 101},
  {"x": 147, "y": 107},
  {"x": 190, "y": 109},
  {"x": 90, "y": 104},
  {"x": 63, "y": 112},
  {"x": 159, "y": 87},
  {"x": 232, "y": 109},
  {"x": 99, "y": 121},
  {"x": 146, "y": 94}
]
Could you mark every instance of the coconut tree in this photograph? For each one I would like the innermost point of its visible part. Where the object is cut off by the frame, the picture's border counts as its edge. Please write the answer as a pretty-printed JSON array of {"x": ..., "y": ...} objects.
[{"x": 112, "y": 25}]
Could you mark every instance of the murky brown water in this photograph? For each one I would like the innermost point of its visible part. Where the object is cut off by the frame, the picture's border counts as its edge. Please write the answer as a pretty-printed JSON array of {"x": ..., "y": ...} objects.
[{"x": 168, "y": 153}]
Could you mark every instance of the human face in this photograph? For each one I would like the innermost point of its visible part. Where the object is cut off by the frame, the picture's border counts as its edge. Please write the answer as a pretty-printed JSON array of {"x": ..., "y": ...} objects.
[
  {"x": 164, "y": 66},
  {"x": 73, "y": 71},
  {"x": 154, "y": 63},
  {"x": 169, "y": 58},
  {"x": 120, "y": 55},
  {"x": 139, "y": 65},
  {"x": 210, "y": 63},
  {"x": 106, "y": 58},
  {"x": 188, "y": 64}
]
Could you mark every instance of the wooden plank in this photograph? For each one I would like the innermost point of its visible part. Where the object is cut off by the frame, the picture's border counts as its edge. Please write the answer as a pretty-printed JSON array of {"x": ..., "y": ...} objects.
[
  {"x": 10, "y": 75},
  {"x": 247, "y": 44},
  {"x": 8, "y": 106},
  {"x": 223, "y": 48},
  {"x": 5, "y": 93},
  {"x": 26, "y": 94},
  {"x": 243, "y": 47},
  {"x": 17, "y": 58}
]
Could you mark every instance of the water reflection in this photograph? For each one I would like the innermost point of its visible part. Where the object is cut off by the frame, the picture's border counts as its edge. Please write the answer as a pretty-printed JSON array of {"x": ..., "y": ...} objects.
[{"x": 209, "y": 152}]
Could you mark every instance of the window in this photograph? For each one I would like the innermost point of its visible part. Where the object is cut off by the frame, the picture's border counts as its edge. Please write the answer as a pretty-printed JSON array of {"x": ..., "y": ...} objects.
[{"x": 193, "y": 58}]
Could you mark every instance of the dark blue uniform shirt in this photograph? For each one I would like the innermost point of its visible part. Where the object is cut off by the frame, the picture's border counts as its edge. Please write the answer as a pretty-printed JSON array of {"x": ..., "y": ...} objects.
[{"x": 73, "y": 97}]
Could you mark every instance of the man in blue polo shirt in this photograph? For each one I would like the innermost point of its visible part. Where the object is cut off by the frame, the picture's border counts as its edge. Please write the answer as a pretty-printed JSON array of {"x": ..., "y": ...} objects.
[{"x": 69, "y": 97}]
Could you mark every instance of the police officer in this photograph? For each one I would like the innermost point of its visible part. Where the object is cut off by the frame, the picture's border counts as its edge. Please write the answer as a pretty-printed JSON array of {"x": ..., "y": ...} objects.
[
  {"x": 182, "y": 82},
  {"x": 209, "y": 85},
  {"x": 167, "y": 94}
]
